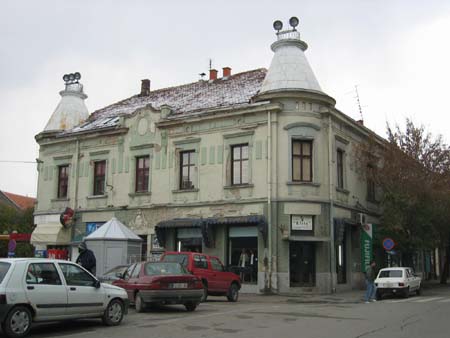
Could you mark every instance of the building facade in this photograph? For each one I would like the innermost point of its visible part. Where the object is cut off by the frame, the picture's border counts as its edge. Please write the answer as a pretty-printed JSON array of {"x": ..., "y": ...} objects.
[{"x": 256, "y": 168}]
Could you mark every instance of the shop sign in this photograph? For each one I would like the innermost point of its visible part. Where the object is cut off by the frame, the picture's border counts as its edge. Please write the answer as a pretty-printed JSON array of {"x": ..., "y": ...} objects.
[
  {"x": 303, "y": 223},
  {"x": 366, "y": 245}
]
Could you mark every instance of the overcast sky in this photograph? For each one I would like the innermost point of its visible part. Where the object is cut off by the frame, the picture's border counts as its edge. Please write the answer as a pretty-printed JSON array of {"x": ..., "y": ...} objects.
[{"x": 397, "y": 52}]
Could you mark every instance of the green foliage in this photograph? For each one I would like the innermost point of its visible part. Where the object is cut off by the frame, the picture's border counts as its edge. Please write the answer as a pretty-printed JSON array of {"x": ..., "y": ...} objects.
[{"x": 20, "y": 221}]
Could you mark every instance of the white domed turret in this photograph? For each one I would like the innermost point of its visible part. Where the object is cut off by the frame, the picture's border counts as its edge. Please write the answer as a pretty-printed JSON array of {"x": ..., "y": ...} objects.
[
  {"x": 289, "y": 69},
  {"x": 71, "y": 110}
]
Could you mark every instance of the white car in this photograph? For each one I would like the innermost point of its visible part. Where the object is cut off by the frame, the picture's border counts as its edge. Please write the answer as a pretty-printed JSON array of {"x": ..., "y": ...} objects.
[
  {"x": 395, "y": 281},
  {"x": 39, "y": 289}
]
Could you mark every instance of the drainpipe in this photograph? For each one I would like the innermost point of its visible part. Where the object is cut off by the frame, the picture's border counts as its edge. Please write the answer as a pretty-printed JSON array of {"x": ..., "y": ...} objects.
[
  {"x": 269, "y": 200},
  {"x": 77, "y": 165},
  {"x": 330, "y": 180}
]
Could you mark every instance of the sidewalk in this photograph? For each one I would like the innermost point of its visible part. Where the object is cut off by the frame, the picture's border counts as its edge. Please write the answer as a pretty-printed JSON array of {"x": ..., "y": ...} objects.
[{"x": 346, "y": 297}]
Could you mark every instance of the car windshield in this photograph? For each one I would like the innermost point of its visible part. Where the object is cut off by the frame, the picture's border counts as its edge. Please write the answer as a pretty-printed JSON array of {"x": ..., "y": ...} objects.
[
  {"x": 390, "y": 274},
  {"x": 152, "y": 269},
  {"x": 182, "y": 259},
  {"x": 4, "y": 267},
  {"x": 118, "y": 269}
]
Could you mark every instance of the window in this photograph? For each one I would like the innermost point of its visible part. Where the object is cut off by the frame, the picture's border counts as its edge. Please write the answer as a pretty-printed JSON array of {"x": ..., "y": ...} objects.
[
  {"x": 4, "y": 267},
  {"x": 142, "y": 172},
  {"x": 43, "y": 273},
  {"x": 99, "y": 177},
  {"x": 216, "y": 265},
  {"x": 182, "y": 259},
  {"x": 187, "y": 169},
  {"x": 63, "y": 180},
  {"x": 301, "y": 161},
  {"x": 129, "y": 271},
  {"x": 239, "y": 163},
  {"x": 370, "y": 184},
  {"x": 390, "y": 274},
  {"x": 340, "y": 168},
  {"x": 200, "y": 262},
  {"x": 76, "y": 276},
  {"x": 136, "y": 271}
]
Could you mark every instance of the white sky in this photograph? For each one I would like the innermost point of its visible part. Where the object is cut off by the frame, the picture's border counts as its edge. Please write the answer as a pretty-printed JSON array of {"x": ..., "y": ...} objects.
[{"x": 396, "y": 51}]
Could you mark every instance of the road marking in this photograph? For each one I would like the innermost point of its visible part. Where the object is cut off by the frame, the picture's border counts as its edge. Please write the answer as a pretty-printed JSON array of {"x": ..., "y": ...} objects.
[
  {"x": 399, "y": 300},
  {"x": 444, "y": 300},
  {"x": 426, "y": 300}
]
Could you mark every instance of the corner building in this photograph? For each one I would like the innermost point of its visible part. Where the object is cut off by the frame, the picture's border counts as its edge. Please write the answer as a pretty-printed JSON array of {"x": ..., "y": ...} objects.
[{"x": 258, "y": 162}]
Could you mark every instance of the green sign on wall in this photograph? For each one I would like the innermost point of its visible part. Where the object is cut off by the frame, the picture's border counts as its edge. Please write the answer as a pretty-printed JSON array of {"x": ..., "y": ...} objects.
[{"x": 366, "y": 245}]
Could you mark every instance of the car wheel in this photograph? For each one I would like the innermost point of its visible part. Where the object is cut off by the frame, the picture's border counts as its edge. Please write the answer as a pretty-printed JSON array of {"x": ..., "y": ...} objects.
[
  {"x": 378, "y": 295},
  {"x": 17, "y": 322},
  {"x": 205, "y": 292},
  {"x": 233, "y": 293},
  {"x": 406, "y": 293},
  {"x": 191, "y": 306},
  {"x": 139, "y": 304},
  {"x": 113, "y": 314},
  {"x": 419, "y": 291}
]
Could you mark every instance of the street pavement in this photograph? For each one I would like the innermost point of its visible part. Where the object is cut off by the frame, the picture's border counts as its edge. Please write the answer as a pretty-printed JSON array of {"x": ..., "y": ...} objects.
[{"x": 339, "y": 316}]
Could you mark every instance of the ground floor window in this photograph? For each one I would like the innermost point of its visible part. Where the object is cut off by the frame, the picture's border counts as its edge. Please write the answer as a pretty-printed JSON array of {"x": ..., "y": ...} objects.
[
  {"x": 189, "y": 239},
  {"x": 243, "y": 252},
  {"x": 302, "y": 264}
]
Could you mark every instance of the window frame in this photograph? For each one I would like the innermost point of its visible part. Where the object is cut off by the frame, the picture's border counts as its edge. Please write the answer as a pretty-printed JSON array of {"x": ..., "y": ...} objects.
[
  {"x": 63, "y": 182},
  {"x": 97, "y": 191},
  {"x": 40, "y": 283},
  {"x": 340, "y": 168},
  {"x": 371, "y": 187},
  {"x": 241, "y": 162},
  {"x": 190, "y": 168},
  {"x": 301, "y": 156},
  {"x": 142, "y": 174}
]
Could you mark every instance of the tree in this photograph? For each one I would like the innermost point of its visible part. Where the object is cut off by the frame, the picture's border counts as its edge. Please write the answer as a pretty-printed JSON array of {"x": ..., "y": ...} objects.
[
  {"x": 412, "y": 168},
  {"x": 21, "y": 221}
]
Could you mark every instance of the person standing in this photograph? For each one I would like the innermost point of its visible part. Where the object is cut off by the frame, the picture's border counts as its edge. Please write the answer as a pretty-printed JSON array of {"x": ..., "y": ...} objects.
[
  {"x": 86, "y": 258},
  {"x": 370, "y": 283},
  {"x": 243, "y": 263}
]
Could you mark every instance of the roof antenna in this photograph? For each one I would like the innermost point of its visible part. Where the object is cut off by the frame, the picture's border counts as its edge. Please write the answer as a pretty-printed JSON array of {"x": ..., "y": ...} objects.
[
  {"x": 210, "y": 64},
  {"x": 359, "y": 103}
]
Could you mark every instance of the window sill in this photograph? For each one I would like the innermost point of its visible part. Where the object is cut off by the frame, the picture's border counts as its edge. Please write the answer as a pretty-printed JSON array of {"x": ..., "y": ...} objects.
[
  {"x": 311, "y": 184},
  {"x": 184, "y": 190},
  {"x": 342, "y": 190},
  {"x": 239, "y": 186},
  {"x": 60, "y": 200},
  {"x": 137, "y": 194},
  {"x": 93, "y": 197}
]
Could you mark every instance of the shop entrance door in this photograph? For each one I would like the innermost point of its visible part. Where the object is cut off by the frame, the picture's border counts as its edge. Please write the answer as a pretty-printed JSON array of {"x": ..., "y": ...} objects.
[{"x": 302, "y": 264}]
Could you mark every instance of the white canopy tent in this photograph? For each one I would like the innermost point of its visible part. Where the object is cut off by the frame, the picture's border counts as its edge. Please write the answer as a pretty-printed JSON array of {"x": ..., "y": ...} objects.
[{"x": 114, "y": 244}]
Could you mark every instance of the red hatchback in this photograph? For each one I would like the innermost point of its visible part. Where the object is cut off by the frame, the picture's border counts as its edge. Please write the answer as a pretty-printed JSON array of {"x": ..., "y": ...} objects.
[
  {"x": 216, "y": 280},
  {"x": 161, "y": 283}
]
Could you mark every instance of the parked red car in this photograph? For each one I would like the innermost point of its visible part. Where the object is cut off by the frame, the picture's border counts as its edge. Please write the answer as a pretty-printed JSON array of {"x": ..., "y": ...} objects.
[
  {"x": 161, "y": 283},
  {"x": 216, "y": 280}
]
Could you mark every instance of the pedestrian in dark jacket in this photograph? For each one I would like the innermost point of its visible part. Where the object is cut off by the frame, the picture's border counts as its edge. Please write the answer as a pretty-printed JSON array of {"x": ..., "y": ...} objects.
[
  {"x": 86, "y": 258},
  {"x": 370, "y": 282}
]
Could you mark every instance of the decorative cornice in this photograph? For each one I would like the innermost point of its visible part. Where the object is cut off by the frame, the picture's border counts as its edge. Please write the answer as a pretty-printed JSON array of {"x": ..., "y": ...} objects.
[{"x": 302, "y": 124}]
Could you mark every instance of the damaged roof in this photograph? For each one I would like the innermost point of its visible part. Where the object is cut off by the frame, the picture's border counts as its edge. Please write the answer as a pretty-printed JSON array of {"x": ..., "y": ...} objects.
[{"x": 184, "y": 100}]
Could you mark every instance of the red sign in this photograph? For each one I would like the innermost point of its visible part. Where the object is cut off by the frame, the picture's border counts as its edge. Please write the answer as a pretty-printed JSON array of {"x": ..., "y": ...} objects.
[{"x": 20, "y": 237}]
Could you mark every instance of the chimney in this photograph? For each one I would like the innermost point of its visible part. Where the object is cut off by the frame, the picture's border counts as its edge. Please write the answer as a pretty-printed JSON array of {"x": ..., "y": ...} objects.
[
  {"x": 360, "y": 122},
  {"x": 226, "y": 71},
  {"x": 212, "y": 74},
  {"x": 145, "y": 87}
]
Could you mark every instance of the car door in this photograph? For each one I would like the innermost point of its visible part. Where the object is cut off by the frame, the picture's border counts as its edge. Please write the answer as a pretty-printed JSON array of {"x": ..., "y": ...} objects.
[
  {"x": 45, "y": 290},
  {"x": 124, "y": 282},
  {"x": 220, "y": 278},
  {"x": 133, "y": 282},
  {"x": 83, "y": 297},
  {"x": 414, "y": 280},
  {"x": 201, "y": 268}
]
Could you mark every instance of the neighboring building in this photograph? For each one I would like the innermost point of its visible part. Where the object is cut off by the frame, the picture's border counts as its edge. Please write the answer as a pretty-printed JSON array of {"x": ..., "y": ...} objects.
[
  {"x": 260, "y": 161},
  {"x": 18, "y": 202}
]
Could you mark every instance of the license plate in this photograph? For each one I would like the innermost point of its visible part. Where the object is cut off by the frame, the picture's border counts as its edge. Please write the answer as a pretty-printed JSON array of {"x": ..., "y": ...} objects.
[
  {"x": 388, "y": 285},
  {"x": 178, "y": 285}
]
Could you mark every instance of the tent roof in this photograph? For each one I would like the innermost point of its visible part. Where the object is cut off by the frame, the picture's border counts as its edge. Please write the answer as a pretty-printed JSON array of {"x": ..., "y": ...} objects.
[{"x": 114, "y": 229}]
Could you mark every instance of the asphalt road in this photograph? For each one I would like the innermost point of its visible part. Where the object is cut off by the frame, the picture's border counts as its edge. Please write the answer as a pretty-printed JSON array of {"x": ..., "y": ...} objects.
[{"x": 426, "y": 316}]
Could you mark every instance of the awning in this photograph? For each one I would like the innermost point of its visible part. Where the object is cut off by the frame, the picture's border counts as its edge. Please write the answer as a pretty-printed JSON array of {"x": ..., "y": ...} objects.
[
  {"x": 51, "y": 234},
  {"x": 207, "y": 225},
  {"x": 308, "y": 239}
]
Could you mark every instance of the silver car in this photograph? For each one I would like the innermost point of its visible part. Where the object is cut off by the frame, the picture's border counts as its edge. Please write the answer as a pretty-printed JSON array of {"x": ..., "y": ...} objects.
[{"x": 39, "y": 289}]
